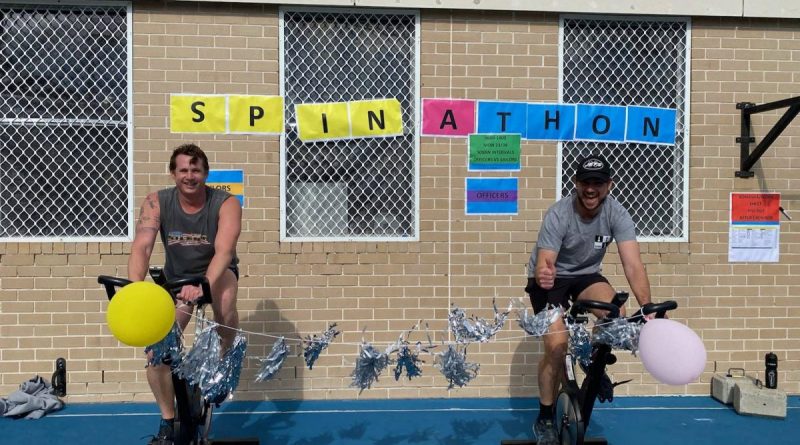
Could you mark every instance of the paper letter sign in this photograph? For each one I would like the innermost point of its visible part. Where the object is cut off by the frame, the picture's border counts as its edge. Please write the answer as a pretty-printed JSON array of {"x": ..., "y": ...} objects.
[
  {"x": 446, "y": 117},
  {"x": 502, "y": 117},
  {"x": 256, "y": 114},
  {"x": 551, "y": 122},
  {"x": 604, "y": 123},
  {"x": 322, "y": 122},
  {"x": 650, "y": 125},
  {"x": 371, "y": 118},
  {"x": 197, "y": 114}
]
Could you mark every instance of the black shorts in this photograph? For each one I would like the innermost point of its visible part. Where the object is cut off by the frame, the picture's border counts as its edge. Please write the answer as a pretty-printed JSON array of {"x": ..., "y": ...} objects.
[
  {"x": 564, "y": 291},
  {"x": 235, "y": 269}
]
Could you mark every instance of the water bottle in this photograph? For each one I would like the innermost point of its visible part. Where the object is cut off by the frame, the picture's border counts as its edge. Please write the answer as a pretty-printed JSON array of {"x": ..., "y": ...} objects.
[{"x": 771, "y": 362}]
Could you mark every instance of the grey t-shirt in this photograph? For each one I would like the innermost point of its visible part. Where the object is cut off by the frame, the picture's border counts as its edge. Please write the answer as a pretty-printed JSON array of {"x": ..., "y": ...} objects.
[
  {"x": 581, "y": 244},
  {"x": 189, "y": 239}
]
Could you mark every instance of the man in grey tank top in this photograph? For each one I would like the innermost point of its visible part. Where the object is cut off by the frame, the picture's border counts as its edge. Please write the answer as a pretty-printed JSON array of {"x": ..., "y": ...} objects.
[
  {"x": 565, "y": 266},
  {"x": 199, "y": 229}
]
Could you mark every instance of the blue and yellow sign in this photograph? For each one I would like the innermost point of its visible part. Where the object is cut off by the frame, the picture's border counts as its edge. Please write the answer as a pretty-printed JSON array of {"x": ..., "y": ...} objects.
[{"x": 232, "y": 181}]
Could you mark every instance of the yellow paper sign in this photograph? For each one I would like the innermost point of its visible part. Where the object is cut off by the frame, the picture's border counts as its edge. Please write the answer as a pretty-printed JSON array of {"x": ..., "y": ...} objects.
[
  {"x": 319, "y": 122},
  {"x": 256, "y": 114},
  {"x": 197, "y": 114},
  {"x": 371, "y": 118}
]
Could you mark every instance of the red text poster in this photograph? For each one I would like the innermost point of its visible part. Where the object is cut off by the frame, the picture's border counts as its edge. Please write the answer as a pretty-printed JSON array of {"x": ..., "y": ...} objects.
[{"x": 755, "y": 208}]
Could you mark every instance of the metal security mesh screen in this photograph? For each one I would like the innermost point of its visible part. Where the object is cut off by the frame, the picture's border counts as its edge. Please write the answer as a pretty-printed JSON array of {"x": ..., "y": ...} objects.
[
  {"x": 632, "y": 62},
  {"x": 63, "y": 122},
  {"x": 356, "y": 188}
]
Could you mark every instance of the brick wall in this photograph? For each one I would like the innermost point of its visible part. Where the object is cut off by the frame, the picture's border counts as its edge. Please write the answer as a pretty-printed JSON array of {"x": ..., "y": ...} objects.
[{"x": 51, "y": 305}]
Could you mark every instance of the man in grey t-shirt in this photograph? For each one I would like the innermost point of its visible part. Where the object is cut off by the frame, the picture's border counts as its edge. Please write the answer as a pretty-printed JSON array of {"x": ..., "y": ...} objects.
[
  {"x": 565, "y": 266},
  {"x": 199, "y": 229}
]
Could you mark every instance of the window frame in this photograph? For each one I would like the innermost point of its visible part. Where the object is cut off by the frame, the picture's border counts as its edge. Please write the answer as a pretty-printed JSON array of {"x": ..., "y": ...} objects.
[
  {"x": 75, "y": 4},
  {"x": 284, "y": 237},
  {"x": 684, "y": 214}
]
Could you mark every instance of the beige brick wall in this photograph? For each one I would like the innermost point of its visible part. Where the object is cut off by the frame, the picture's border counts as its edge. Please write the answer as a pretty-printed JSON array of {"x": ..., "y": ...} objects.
[{"x": 51, "y": 305}]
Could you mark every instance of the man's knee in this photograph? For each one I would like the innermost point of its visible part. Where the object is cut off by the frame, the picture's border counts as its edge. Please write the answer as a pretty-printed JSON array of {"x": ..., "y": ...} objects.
[{"x": 555, "y": 350}]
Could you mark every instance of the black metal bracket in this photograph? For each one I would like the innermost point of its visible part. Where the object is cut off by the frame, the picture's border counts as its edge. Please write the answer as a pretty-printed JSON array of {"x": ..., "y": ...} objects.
[{"x": 748, "y": 109}]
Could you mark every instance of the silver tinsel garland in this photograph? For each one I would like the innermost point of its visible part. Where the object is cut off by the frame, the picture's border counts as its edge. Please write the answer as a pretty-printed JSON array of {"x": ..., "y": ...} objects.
[
  {"x": 168, "y": 350},
  {"x": 468, "y": 330},
  {"x": 538, "y": 325},
  {"x": 315, "y": 345},
  {"x": 455, "y": 368},
  {"x": 274, "y": 361},
  {"x": 225, "y": 378}
]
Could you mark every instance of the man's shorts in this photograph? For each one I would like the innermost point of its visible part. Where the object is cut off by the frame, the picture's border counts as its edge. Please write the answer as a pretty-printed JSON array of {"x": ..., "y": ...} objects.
[{"x": 564, "y": 291}]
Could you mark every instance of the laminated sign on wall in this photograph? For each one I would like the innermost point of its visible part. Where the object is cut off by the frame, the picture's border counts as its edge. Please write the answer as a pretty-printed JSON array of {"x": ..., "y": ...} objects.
[{"x": 754, "y": 231}]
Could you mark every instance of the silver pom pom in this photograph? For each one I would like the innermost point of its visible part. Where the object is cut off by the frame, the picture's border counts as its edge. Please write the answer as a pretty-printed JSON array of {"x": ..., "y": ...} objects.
[
  {"x": 274, "y": 361},
  {"x": 200, "y": 363},
  {"x": 467, "y": 330},
  {"x": 538, "y": 325},
  {"x": 369, "y": 366},
  {"x": 408, "y": 360},
  {"x": 315, "y": 345},
  {"x": 618, "y": 333},
  {"x": 454, "y": 366},
  {"x": 580, "y": 343},
  {"x": 225, "y": 378},
  {"x": 168, "y": 350}
]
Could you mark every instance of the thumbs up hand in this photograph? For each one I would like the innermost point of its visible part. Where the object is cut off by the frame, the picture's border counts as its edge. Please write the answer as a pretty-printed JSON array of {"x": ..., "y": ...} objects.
[{"x": 545, "y": 274}]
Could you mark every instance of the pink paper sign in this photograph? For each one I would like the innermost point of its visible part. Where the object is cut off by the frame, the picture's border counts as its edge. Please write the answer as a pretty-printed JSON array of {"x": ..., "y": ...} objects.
[{"x": 448, "y": 117}]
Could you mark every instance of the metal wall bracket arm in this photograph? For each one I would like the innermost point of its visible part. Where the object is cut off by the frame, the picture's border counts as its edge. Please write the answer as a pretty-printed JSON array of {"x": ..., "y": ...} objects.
[{"x": 749, "y": 159}]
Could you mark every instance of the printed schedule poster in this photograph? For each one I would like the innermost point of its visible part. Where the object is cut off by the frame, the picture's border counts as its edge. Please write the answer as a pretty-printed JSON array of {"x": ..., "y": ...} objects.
[
  {"x": 494, "y": 152},
  {"x": 491, "y": 196},
  {"x": 754, "y": 232}
]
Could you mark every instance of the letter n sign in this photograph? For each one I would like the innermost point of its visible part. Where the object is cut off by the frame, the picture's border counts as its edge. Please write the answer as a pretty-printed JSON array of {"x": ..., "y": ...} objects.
[{"x": 649, "y": 125}]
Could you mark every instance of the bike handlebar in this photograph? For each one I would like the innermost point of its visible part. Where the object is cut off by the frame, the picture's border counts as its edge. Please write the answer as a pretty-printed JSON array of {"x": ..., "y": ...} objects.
[
  {"x": 660, "y": 309},
  {"x": 111, "y": 283}
]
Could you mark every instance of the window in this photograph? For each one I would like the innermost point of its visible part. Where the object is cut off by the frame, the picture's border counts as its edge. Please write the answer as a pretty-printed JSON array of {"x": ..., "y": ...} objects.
[
  {"x": 633, "y": 61},
  {"x": 64, "y": 123},
  {"x": 353, "y": 189}
]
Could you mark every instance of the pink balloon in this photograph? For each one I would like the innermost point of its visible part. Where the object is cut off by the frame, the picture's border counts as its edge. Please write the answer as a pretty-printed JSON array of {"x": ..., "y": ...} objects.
[{"x": 671, "y": 352}]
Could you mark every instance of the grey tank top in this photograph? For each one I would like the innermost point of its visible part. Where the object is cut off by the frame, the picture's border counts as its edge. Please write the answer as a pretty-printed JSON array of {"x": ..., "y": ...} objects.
[{"x": 189, "y": 239}]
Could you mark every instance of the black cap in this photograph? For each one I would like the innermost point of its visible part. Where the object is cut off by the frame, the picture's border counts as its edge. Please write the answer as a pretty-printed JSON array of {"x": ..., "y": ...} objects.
[{"x": 593, "y": 167}]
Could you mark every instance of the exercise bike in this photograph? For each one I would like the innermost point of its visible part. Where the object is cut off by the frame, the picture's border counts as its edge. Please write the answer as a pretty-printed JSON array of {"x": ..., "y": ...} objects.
[
  {"x": 192, "y": 412},
  {"x": 575, "y": 402}
]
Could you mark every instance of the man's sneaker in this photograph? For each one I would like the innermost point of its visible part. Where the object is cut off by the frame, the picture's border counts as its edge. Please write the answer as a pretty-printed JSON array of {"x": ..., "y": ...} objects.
[
  {"x": 164, "y": 436},
  {"x": 545, "y": 432},
  {"x": 160, "y": 440}
]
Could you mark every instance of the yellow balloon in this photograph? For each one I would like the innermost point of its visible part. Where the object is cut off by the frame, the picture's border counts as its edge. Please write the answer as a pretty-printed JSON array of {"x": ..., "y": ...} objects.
[{"x": 140, "y": 314}]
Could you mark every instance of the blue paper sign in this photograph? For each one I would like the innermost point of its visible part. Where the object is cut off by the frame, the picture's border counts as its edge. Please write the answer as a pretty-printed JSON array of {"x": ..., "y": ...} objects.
[
  {"x": 551, "y": 122},
  {"x": 491, "y": 196},
  {"x": 604, "y": 123},
  {"x": 502, "y": 117},
  {"x": 651, "y": 125}
]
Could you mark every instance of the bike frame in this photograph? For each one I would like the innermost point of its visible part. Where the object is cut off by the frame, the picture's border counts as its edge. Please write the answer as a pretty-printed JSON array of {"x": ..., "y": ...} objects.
[{"x": 192, "y": 413}]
